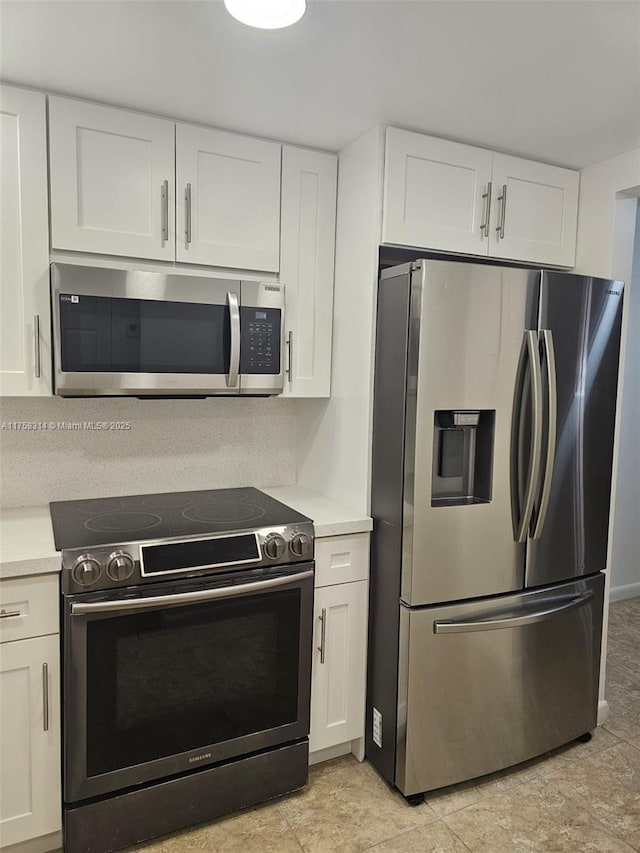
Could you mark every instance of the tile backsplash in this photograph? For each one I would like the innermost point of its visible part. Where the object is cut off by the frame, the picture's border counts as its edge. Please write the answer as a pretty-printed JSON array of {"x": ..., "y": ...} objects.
[{"x": 49, "y": 452}]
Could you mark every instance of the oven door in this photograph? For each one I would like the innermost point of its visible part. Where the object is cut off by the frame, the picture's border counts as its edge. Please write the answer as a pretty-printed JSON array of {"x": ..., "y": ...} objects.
[
  {"x": 130, "y": 332},
  {"x": 177, "y": 676}
]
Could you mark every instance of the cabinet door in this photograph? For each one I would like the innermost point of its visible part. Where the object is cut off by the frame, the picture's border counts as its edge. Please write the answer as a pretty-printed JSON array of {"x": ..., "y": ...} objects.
[
  {"x": 307, "y": 251},
  {"x": 112, "y": 181},
  {"x": 30, "y": 739},
  {"x": 228, "y": 199},
  {"x": 25, "y": 343},
  {"x": 539, "y": 211},
  {"x": 338, "y": 676},
  {"x": 433, "y": 193}
]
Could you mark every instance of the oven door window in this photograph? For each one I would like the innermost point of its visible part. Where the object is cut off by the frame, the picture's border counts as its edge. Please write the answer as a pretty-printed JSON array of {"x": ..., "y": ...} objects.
[
  {"x": 165, "y": 682},
  {"x": 113, "y": 335}
]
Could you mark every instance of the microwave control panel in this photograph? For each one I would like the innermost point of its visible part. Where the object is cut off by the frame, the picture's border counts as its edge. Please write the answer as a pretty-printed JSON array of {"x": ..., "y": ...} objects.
[{"x": 260, "y": 340}]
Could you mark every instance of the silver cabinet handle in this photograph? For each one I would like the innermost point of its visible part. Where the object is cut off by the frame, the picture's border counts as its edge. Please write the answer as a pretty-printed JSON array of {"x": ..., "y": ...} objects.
[
  {"x": 234, "y": 357},
  {"x": 45, "y": 696},
  {"x": 180, "y": 598},
  {"x": 187, "y": 216},
  {"x": 164, "y": 195},
  {"x": 503, "y": 212},
  {"x": 9, "y": 614},
  {"x": 451, "y": 626},
  {"x": 529, "y": 357},
  {"x": 552, "y": 418},
  {"x": 290, "y": 356},
  {"x": 484, "y": 228},
  {"x": 323, "y": 634},
  {"x": 36, "y": 345}
]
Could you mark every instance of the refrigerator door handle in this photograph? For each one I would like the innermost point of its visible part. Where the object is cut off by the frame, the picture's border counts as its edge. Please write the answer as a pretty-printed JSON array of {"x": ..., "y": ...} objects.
[
  {"x": 529, "y": 356},
  {"x": 552, "y": 410},
  {"x": 451, "y": 626}
]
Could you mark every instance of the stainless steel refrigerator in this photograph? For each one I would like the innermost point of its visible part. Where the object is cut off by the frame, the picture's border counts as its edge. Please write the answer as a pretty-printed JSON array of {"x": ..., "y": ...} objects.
[{"x": 494, "y": 412}]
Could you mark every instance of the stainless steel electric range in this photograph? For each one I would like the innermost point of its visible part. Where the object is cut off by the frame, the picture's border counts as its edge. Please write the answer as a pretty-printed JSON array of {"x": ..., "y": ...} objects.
[{"x": 187, "y": 622}]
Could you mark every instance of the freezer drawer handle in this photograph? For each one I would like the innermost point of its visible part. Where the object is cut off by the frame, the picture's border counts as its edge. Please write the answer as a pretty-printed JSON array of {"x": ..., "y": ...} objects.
[
  {"x": 181, "y": 598},
  {"x": 449, "y": 626}
]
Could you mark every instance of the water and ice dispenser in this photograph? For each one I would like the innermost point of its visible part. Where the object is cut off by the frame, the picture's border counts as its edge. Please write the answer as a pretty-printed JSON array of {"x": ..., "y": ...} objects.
[{"x": 462, "y": 457}]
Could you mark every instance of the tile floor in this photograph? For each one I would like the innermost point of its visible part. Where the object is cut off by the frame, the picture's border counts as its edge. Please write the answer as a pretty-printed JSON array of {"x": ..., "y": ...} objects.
[{"x": 582, "y": 798}]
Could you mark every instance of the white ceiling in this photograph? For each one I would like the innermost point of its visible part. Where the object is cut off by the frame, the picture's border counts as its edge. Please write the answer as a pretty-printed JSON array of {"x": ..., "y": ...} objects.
[{"x": 558, "y": 81}]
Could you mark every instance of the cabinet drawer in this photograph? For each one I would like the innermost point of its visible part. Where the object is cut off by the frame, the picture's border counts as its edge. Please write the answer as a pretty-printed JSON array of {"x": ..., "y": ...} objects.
[
  {"x": 342, "y": 559},
  {"x": 34, "y": 601}
]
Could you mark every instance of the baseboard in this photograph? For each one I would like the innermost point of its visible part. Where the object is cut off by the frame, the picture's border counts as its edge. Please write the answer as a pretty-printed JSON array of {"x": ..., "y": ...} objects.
[
  {"x": 330, "y": 752},
  {"x": 603, "y": 711},
  {"x": 619, "y": 593},
  {"x": 43, "y": 844}
]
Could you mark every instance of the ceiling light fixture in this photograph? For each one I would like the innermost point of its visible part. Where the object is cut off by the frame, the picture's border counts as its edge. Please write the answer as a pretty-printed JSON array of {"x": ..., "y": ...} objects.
[{"x": 266, "y": 14}]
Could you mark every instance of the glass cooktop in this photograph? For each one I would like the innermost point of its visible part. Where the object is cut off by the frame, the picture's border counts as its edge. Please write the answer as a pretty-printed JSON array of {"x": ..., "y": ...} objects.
[{"x": 101, "y": 521}]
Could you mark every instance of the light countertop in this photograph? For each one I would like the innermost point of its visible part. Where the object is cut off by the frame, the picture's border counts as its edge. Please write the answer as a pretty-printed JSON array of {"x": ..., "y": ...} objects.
[
  {"x": 329, "y": 518},
  {"x": 26, "y": 542},
  {"x": 26, "y": 536}
]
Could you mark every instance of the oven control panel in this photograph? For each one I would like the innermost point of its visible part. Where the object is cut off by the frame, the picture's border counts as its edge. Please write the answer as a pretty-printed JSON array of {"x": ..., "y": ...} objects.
[{"x": 149, "y": 561}]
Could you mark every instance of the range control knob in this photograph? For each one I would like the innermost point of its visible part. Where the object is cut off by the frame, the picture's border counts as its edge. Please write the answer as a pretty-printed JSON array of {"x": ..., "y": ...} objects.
[
  {"x": 86, "y": 570},
  {"x": 299, "y": 544},
  {"x": 120, "y": 566},
  {"x": 274, "y": 546}
]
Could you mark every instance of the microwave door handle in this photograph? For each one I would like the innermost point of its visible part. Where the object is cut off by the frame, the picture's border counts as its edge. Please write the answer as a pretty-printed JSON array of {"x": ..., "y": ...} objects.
[{"x": 234, "y": 357}]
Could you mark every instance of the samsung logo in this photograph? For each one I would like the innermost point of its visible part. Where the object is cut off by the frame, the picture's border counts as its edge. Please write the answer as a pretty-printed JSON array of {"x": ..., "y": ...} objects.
[
  {"x": 275, "y": 287},
  {"x": 614, "y": 292},
  {"x": 200, "y": 757}
]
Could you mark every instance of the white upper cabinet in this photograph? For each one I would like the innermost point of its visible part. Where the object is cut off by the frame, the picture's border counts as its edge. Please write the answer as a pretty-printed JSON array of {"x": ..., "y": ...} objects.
[
  {"x": 537, "y": 211},
  {"x": 25, "y": 350},
  {"x": 433, "y": 193},
  {"x": 112, "y": 181},
  {"x": 307, "y": 252},
  {"x": 449, "y": 197},
  {"x": 228, "y": 199}
]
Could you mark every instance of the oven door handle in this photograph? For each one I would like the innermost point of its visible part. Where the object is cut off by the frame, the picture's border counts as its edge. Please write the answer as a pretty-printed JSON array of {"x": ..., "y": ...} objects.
[{"x": 161, "y": 601}]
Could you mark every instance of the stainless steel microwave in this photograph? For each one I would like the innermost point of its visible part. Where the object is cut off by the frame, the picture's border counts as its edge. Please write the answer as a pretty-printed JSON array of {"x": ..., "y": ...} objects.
[{"x": 157, "y": 334}]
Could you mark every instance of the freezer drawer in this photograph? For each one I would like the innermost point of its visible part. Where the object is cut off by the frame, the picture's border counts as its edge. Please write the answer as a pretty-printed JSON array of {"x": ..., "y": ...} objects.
[{"x": 485, "y": 685}]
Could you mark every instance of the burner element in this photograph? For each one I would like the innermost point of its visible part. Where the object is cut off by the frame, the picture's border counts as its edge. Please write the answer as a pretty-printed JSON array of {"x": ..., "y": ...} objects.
[
  {"x": 122, "y": 522},
  {"x": 223, "y": 513}
]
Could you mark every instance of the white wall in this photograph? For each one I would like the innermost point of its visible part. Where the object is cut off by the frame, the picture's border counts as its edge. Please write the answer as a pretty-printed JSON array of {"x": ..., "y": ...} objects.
[
  {"x": 335, "y": 436},
  {"x": 172, "y": 445},
  {"x": 625, "y": 551},
  {"x": 606, "y": 223},
  {"x": 599, "y": 216}
]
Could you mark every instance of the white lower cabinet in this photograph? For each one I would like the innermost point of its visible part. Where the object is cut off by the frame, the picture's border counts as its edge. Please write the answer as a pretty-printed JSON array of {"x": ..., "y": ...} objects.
[
  {"x": 338, "y": 677},
  {"x": 30, "y": 787},
  {"x": 30, "y": 795},
  {"x": 339, "y": 669}
]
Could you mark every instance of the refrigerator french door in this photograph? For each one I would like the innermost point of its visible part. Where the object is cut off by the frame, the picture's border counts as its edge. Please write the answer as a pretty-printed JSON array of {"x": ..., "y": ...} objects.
[{"x": 494, "y": 413}]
